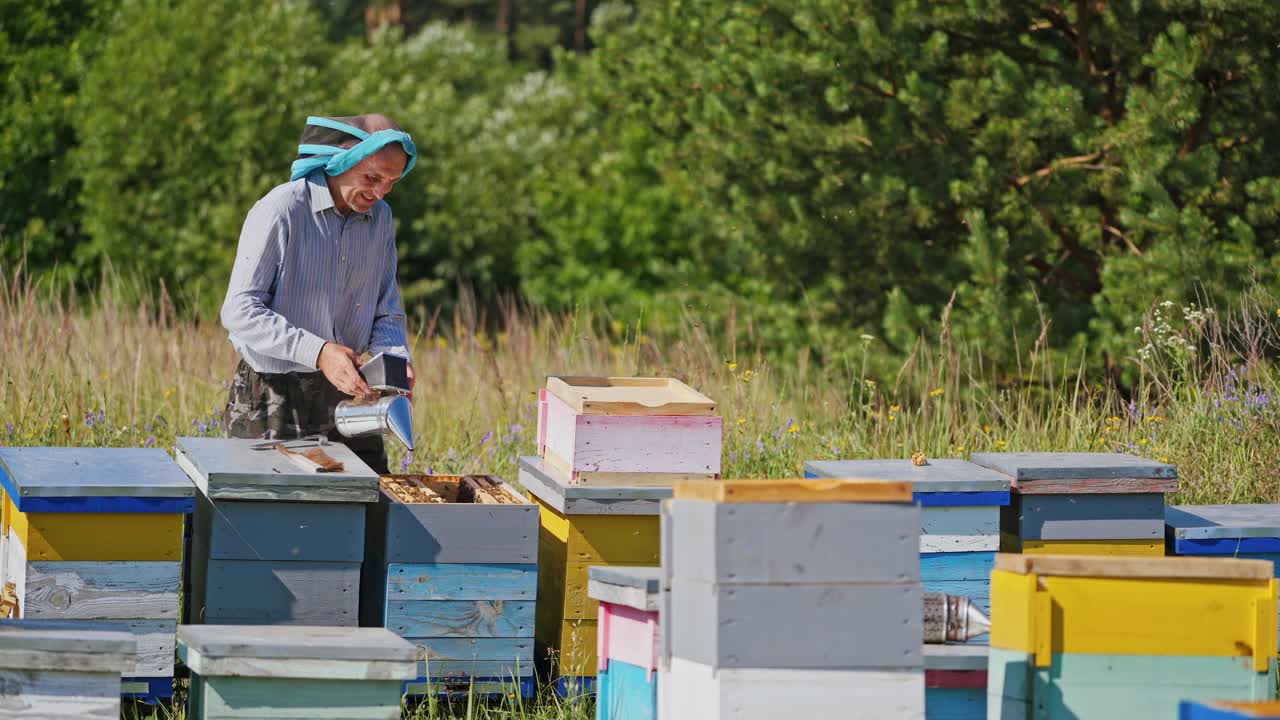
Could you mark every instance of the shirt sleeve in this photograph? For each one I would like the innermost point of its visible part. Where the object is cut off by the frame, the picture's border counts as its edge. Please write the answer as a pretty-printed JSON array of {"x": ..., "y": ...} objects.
[
  {"x": 389, "y": 332},
  {"x": 246, "y": 312}
]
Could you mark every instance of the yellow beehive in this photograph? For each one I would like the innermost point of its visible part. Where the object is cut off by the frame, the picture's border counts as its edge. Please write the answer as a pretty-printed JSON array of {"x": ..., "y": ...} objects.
[{"x": 1047, "y": 605}]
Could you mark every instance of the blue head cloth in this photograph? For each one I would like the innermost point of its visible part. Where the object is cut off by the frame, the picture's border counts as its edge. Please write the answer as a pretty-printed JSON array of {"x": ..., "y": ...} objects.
[{"x": 319, "y": 148}]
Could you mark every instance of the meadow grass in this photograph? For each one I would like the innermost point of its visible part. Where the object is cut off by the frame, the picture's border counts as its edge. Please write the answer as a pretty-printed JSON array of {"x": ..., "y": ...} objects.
[{"x": 112, "y": 370}]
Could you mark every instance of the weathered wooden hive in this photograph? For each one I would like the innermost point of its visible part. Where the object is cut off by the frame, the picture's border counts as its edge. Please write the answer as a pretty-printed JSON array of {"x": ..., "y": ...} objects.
[
  {"x": 451, "y": 565},
  {"x": 273, "y": 543},
  {"x": 791, "y": 598},
  {"x": 94, "y": 535},
  {"x": 1083, "y": 503},
  {"x": 1096, "y": 638}
]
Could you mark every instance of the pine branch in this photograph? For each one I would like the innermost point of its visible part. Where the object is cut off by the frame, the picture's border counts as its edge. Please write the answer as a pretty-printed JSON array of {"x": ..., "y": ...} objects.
[{"x": 1078, "y": 162}]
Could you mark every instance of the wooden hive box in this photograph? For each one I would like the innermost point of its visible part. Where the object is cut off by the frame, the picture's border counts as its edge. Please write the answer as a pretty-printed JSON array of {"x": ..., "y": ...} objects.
[
  {"x": 791, "y": 598},
  {"x": 93, "y": 535},
  {"x": 580, "y": 527},
  {"x": 262, "y": 522},
  {"x": 628, "y": 431},
  {"x": 955, "y": 682},
  {"x": 1245, "y": 532},
  {"x": 960, "y": 517},
  {"x": 1225, "y": 710},
  {"x": 627, "y": 641},
  {"x": 63, "y": 670},
  {"x": 451, "y": 565},
  {"x": 1086, "y": 637},
  {"x": 316, "y": 673},
  {"x": 1083, "y": 503}
]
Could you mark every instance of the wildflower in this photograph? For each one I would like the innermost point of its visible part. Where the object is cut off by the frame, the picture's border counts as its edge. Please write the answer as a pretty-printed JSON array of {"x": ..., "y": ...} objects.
[
  {"x": 1155, "y": 419},
  {"x": 793, "y": 429},
  {"x": 150, "y": 441},
  {"x": 1000, "y": 444},
  {"x": 1142, "y": 441},
  {"x": 169, "y": 392},
  {"x": 226, "y": 384},
  {"x": 486, "y": 437},
  {"x": 986, "y": 428},
  {"x": 1164, "y": 459},
  {"x": 8, "y": 426},
  {"x": 871, "y": 384},
  {"x": 732, "y": 366},
  {"x": 742, "y": 421},
  {"x": 893, "y": 408},
  {"x": 936, "y": 392},
  {"x": 868, "y": 338},
  {"x": 959, "y": 448},
  {"x": 404, "y": 464},
  {"x": 733, "y": 457},
  {"x": 892, "y": 417}
]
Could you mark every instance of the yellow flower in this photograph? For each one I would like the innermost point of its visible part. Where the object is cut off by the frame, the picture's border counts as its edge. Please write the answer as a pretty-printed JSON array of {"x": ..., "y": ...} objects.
[
  {"x": 1000, "y": 444},
  {"x": 892, "y": 417},
  {"x": 893, "y": 408},
  {"x": 441, "y": 343},
  {"x": 1164, "y": 459},
  {"x": 1155, "y": 419},
  {"x": 936, "y": 392},
  {"x": 959, "y": 448},
  {"x": 986, "y": 428},
  {"x": 1113, "y": 419},
  {"x": 793, "y": 429},
  {"x": 616, "y": 326},
  {"x": 1142, "y": 441},
  {"x": 742, "y": 421},
  {"x": 170, "y": 391},
  {"x": 733, "y": 366}
]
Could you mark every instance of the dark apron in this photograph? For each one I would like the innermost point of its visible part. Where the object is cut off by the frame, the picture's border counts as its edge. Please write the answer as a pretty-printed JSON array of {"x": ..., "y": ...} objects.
[{"x": 287, "y": 406}]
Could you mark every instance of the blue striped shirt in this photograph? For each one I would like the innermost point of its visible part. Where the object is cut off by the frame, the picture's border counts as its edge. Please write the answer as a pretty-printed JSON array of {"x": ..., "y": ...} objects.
[{"x": 304, "y": 275}]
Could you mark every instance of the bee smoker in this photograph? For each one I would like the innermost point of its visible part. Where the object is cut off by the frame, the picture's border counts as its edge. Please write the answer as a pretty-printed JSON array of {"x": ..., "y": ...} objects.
[
  {"x": 952, "y": 618},
  {"x": 387, "y": 411}
]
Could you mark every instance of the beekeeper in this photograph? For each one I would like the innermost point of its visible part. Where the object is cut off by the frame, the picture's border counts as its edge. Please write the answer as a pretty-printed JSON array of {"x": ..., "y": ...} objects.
[{"x": 314, "y": 284}]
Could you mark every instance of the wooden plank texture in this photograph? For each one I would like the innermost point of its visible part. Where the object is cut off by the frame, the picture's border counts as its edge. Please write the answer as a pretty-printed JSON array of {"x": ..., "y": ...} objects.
[
  {"x": 77, "y": 590},
  {"x": 458, "y": 533},
  {"x": 228, "y": 698},
  {"x": 603, "y": 539},
  {"x": 1088, "y": 517},
  {"x": 957, "y": 566},
  {"x": 475, "y": 648},
  {"x": 1136, "y": 615},
  {"x": 99, "y": 536},
  {"x": 296, "y": 643},
  {"x": 636, "y": 587},
  {"x": 946, "y": 475},
  {"x": 553, "y": 488},
  {"x": 695, "y": 691},
  {"x": 795, "y": 490},
  {"x": 632, "y": 443},
  {"x": 50, "y": 695},
  {"x": 954, "y": 703},
  {"x": 1092, "y": 548},
  {"x": 578, "y": 603},
  {"x": 1095, "y": 486},
  {"x": 1072, "y": 465},
  {"x": 629, "y": 395},
  {"x": 796, "y": 626},
  {"x": 246, "y": 530},
  {"x": 461, "y": 581},
  {"x": 1150, "y": 687},
  {"x": 461, "y": 618},
  {"x": 782, "y": 542},
  {"x": 274, "y": 592},
  {"x": 1202, "y": 522},
  {"x": 963, "y": 657},
  {"x": 232, "y": 469},
  {"x": 1128, "y": 568},
  {"x": 627, "y": 635},
  {"x": 31, "y": 472}
]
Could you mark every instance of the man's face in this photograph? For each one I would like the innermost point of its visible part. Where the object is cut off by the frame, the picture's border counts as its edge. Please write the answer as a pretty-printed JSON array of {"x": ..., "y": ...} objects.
[{"x": 365, "y": 184}]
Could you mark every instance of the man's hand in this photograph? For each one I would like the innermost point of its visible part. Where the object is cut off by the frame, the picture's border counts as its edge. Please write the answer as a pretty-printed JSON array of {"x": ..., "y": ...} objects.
[{"x": 339, "y": 363}]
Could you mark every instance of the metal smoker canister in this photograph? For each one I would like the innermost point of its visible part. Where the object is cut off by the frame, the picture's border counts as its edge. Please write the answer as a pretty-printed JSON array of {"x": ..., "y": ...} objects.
[
  {"x": 388, "y": 414},
  {"x": 952, "y": 618}
]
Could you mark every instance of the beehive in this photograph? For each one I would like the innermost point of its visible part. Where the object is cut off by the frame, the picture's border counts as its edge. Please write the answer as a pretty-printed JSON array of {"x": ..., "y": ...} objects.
[
  {"x": 796, "y": 598},
  {"x": 627, "y": 431},
  {"x": 317, "y": 673},
  {"x": 262, "y": 522},
  {"x": 1229, "y": 711},
  {"x": 59, "y": 670},
  {"x": 960, "y": 517},
  {"x": 1246, "y": 532},
  {"x": 1108, "y": 504},
  {"x": 955, "y": 682},
  {"x": 94, "y": 535},
  {"x": 451, "y": 565},
  {"x": 1103, "y": 637},
  {"x": 627, "y": 639},
  {"x": 581, "y": 526}
]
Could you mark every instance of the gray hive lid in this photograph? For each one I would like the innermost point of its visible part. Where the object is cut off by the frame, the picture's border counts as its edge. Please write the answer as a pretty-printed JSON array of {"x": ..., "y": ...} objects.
[
  {"x": 1022, "y": 466},
  {"x": 48, "y": 476},
  {"x": 1209, "y": 522},
  {"x": 948, "y": 475},
  {"x": 233, "y": 469},
  {"x": 955, "y": 657},
  {"x": 552, "y": 486},
  {"x": 83, "y": 645},
  {"x": 296, "y": 642},
  {"x": 635, "y": 587}
]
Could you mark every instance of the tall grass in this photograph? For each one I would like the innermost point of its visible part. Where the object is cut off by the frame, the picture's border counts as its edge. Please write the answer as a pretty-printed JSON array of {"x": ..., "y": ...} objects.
[{"x": 112, "y": 370}]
